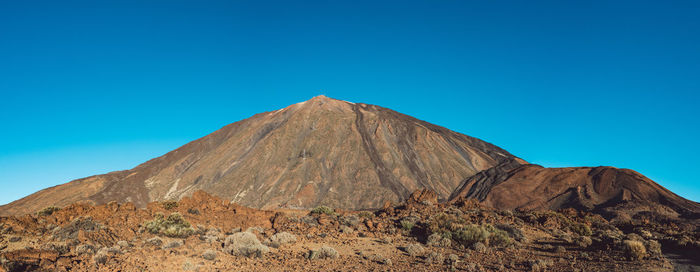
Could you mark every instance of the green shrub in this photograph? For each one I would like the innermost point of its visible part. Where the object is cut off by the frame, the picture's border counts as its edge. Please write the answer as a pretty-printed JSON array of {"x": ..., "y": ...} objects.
[
  {"x": 323, "y": 210},
  {"x": 485, "y": 234},
  {"x": 445, "y": 224},
  {"x": 498, "y": 237},
  {"x": 407, "y": 225},
  {"x": 471, "y": 234},
  {"x": 581, "y": 229},
  {"x": 48, "y": 211},
  {"x": 169, "y": 205},
  {"x": 172, "y": 226}
]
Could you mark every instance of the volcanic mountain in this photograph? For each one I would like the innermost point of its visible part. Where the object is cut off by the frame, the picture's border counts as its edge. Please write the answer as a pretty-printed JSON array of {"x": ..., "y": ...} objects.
[
  {"x": 318, "y": 152},
  {"x": 358, "y": 156}
]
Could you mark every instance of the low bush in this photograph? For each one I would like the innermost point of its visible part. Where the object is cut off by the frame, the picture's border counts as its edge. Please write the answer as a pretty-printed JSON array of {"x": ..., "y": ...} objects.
[
  {"x": 350, "y": 220},
  {"x": 581, "y": 229},
  {"x": 435, "y": 258},
  {"x": 193, "y": 211},
  {"x": 323, "y": 210},
  {"x": 81, "y": 223},
  {"x": 444, "y": 224},
  {"x": 407, "y": 225},
  {"x": 437, "y": 240},
  {"x": 471, "y": 234},
  {"x": 245, "y": 244},
  {"x": 513, "y": 231},
  {"x": 366, "y": 214},
  {"x": 479, "y": 247},
  {"x": 452, "y": 259},
  {"x": 540, "y": 265},
  {"x": 583, "y": 241},
  {"x": 169, "y": 205},
  {"x": 172, "y": 226},
  {"x": 84, "y": 249},
  {"x": 634, "y": 249},
  {"x": 155, "y": 241},
  {"x": 48, "y": 211},
  {"x": 414, "y": 250},
  {"x": 325, "y": 252},
  {"x": 123, "y": 244},
  {"x": 559, "y": 249},
  {"x": 100, "y": 258},
  {"x": 452, "y": 228},
  {"x": 653, "y": 247},
  {"x": 280, "y": 239},
  {"x": 172, "y": 244},
  {"x": 209, "y": 255},
  {"x": 498, "y": 237}
]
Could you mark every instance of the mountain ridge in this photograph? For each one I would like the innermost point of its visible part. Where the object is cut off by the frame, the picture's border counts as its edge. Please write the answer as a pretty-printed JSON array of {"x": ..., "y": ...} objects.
[
  {"x": 601, "y": 189},
  {"x": 348, "y": 155},
  {"x": 320, "y": 151}
]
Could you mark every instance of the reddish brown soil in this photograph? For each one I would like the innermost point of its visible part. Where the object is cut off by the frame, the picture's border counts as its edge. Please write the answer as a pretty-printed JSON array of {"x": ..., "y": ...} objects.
[{"x": 364, "y": 241}]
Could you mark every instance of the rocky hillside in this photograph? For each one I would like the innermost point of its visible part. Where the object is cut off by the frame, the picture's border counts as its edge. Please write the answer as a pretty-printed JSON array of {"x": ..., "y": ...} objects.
[
  {"x": 607, "y": 190},
  {"x": 322, "y": 151}
]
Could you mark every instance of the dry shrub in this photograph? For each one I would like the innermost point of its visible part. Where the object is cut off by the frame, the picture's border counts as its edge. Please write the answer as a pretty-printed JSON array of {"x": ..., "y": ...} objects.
[
  {"x": 323, "y": 210},
  {"x": 471, "y": 234},
  {"x": 583, "y": 241},
  {"x": 581, "y": 229},
  {"x": 326, "y": 252},
  {"x": 653, "y": 247},
  {"x": 634, "y": 249},
  {"x": 414, "y": 250},
  {"x": 365, "y": 214},
  {"x": 48, "y": 211},
  {"x": 444, "y": 224},
  {"x": 280, "y": 239},
  {"x": 499, "y": 238},
  {"x": 209, "y": 255},
  {"x": 437, "y": 240},
  {"x": 435, "y": 258},
  {"x": 172, "y": 226},
  {"x": 245, "y": 244},
  {"x": 407, "y": 225},
  {"x": 169, "y": 205}
]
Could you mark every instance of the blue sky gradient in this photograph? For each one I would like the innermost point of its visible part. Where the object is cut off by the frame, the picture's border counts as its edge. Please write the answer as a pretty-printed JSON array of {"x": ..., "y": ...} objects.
[{"x": 88, "y": 87}]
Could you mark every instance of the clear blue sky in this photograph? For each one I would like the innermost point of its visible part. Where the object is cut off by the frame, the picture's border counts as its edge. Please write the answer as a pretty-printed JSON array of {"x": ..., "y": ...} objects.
[{"x": 90, "y": 87}]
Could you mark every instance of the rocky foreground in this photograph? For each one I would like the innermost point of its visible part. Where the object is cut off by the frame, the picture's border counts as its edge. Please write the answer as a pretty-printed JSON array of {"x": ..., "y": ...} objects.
[{"x": 205, "y": 233}]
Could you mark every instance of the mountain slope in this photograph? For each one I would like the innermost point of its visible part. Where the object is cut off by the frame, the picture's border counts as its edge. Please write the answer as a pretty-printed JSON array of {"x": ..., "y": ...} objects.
[
  {"x": 322, "y": 151},
  {"x": 513, "y": 185}
]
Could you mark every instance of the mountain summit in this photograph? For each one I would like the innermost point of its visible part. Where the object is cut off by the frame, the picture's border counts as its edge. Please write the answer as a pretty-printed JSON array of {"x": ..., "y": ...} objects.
[{"x": 319, "y": 152}]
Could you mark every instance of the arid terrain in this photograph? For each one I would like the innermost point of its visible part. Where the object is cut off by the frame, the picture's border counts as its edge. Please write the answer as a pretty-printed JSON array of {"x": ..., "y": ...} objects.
[
  {"x": 330, "y": 185},
  {"x": 206, "y": 233}
]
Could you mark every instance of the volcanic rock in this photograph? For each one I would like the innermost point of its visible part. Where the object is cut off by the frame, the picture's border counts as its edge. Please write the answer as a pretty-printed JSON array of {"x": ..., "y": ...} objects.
[
  {"x": 319, "y": 152},
  {"x": 513, "y": 185}
]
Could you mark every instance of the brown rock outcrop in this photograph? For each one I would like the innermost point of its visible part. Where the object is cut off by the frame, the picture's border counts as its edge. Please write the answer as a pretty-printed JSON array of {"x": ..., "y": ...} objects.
[
  {"x": 423, "y": 196},
  {"x": 512, "y": 185}
]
